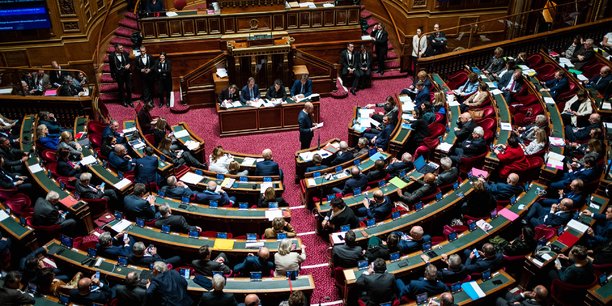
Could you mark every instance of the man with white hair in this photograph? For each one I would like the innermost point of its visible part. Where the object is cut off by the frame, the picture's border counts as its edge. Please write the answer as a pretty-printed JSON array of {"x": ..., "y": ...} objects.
[
  {"x": 396, "y": 166},
  {"x": 465, "y": 126},
  {"x": 47, "y": 214},
  {"x": 120, "y": 160},
  {"x": 167, "y": 287},
  {"x": 429, "y": 283},
  {"x": 473, "y": 146},
  {"x": 576, "y": 134},
  {"x": 217, "y": 297},
  {"x": 601, "y": 81},
  {"x": 267, "y": 167},
  {"x": 448, "y": 174},
  {"x": 528, "y": 132},
  {"x": 343, "y": 155},
  {"x": 584, "y": 55},
  {"x": 88, "y": 191},
  {"x": 176, "y": 223},
  {"x": 211, "y": 194}
]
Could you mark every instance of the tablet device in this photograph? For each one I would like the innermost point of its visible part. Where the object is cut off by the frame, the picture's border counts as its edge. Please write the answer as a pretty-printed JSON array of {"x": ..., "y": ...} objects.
[
  {"x": 486, "y": 274},
  {"x": 272, "y": 204},
  {"x": 243, "y": 205},
  {"x": 222, "y": 235},
  {"x": 394, "y": 256},
  {"x": 66, "y": 241},
  {"x": 251, "y": 236},
  {"x": 452, "y": 236},
  {"x": 140, "y": 222},
  {"x": 345, "y": 228},
  {"x": 244, "y": 179},
  {"x": 165, "y": 229},
  {"x": 292, "y": 274},
  {"x": 256, "y": 276},
  {"x": 118, "y": 215},
  {"x": 213, "y": 204},
  {"x": 281, "y": 236},
  {"x": 362, "y": 264},
  {"x": 122, "y": 261},
  {"x": 194, "y": 234},
  {"x": 185, "y": 273},
  {"x": 395, "y": 215},
  {"x": 91, "y": 252}
]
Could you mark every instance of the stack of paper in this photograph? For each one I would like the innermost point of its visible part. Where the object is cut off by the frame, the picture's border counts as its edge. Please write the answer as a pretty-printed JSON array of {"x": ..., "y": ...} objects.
[
  {"x": 122, "y": 183},
  {"x": 181, "y": 133},
  {"x": 549, "y": 100},
  {"x": 3, "y": 215},
  {"x": 473, "y": 290},
  {"x": 192, "y": 145},
  {"x": 311, "y": 182},
  {"x": 556, "y": 141},
  {"x": 363, "y": 37},
  {"x": 121, "y": 225},
  {"x": 273, "y": 213},
  {"x": 191, "y": 178},
  {"x": 87, "y": 160},
  {"x": 338, "y": 238},
  {"x": 306, "y": 156},
  {"x": 248, "y": 161},
  {"x": 484, "y": 225},
  {"x": 254, "y": 245},
  {"x": 444, "y": 147},
  {"x": 578, "y": 226},
  {"x": 130, "y": 130},
  {"x": 35, "y": 168},
  {"x": 581, "y": 77},
  {"x": 606, "y": 105},
  {"x": 265, "y": 186},
  {"x": 398, "y": 182},
  {"x": 505, "y": 126},
  {"x": 221, "y": 72},
  {"x": 365, "y": 112},
  {"x": 228, "y": 182},
  {"x": 555, "y": 160},
  {"x": 496, "y": 92},
  {"x": 171, "y": 14}
]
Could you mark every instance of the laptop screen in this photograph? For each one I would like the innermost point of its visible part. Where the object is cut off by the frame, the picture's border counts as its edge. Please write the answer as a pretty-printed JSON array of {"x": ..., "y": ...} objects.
[
  {"x": 419, "y": 163},
  {"x": 256, "y": 276}
]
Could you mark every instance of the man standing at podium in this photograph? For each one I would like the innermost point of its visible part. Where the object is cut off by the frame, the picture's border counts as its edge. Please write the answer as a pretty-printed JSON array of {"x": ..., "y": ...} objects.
[{"x": 306, "y": 126}]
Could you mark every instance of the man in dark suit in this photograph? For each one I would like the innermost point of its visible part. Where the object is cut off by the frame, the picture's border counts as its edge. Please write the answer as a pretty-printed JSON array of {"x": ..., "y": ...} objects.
[
  {"x": 489, "y": 258},
  {"x": 131, "y": 292},
  {"x": 357, "y": 180},
  {"x": 381, "y": 39},
  {"x": 349, "y": 63},
  {"x": 56, "y": 77},
  {"x": 505, "y": 75},
  {"x": 339, "y": 215},
  {"x": 422, "y": 94},
  {"x": 113, "y": 247},
  {"x": 429, "y": 283},
  {"x": 206, "y": 266},
  {"x": 144, "y": 256},
  {"x": 120, "y": 160},
  {"x": 13, "y": 158},
  {"x": 364, "y": 59},
  {"x": 250, "y": 91},
  {"x": 112, "y": 130},
  {"x": 303, "y": 87},
  {"x": 120, "y": 65},
  {"x": 397, "y": 166},
  {"x": 11, "y": 294},
  {"x": 348, "y": 254},
  {"x": 574, "y": 191},
  {"x": 379, "y": 285},
  {"x": 316, "y": 160},
  {"x": 145, "y": 68},
  {"x": 514, "y": 84},
  {"x": 576, "y": 134},
  {"x": 465, "y": 126},
  {"x": 557, "y": 85},
  {"x": 556, "y": 215},
  {"x": 136, "y": 207},
  {"x": 454, "y": 272},
  {"x": 87, "y": 191},
  {"x": 146, "y": 168},
  {"x": 306, "y": 125},
  {"x": 252, "y": 263},
  {"x": 378, "y": 209},
  {"x": 176, "y": 189},
  {"x": 176, "y": 223},
  {"x": 504, "y": 191},
  {"x": 163, "y": 70},
  {"x": 228, "y": 95},
  {"x": 267, "y": 167},
  {"x": 46, "y": 214},
  {"x": 448, "y": 174},
  {"x": 211, "y": 194},
  {"x": 601, "y": 82},
  {"x": 276, "y": 91},
  {"x": 85, "y": 295},
  {"x": 436, "y": 42},
  {"x": 343, "y": 155},
  {"x": 13, "y": 180},
  {"x": 537, "y": 297},
  {"x": 217, "y": 297},
  {"x": 584, "y": 55},
  {"x": 381, "y": 138},
  {"x": 427, "y": 188},
  {"x": 413, "y": 241},
  {"x": 167, "y": 287},
  {"x": 378, "y": 172},
  {"x": 473, "y": 146}
]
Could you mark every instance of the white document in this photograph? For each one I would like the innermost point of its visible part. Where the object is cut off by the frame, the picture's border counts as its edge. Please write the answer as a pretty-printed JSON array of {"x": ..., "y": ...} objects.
[
  {"x": 581, "y": 77},
  {"x": 139, "y": 145},
  {"x": 556, "y": 141},
  {"x": 273, "y": 213},
  {"x": 3, "y": 215},
  {"x": 549, "y": 100},
  {"x": 338, "y": 238},
  {"x": 365, "y": 122},
  {"x": 364, "y": 37},
  {"x": 191, "y": 178},
  {"x": 181, "y": 134},
  {"x": 608, "y": 125},
  {"x": 496, "y": 92},
  {"x": 236, "y": 104},
  {"x": 89, "y": 159},
  {"x": 254, "y": 245},
  {"x": 122, "y": 183},
  {"x": 121, "y": 226},
  {"x": 221, "y": 72},
  {"x": 229, "y": 182},
  {"x": 577, "y": 225},
  {"x": 405, "y": 99},
  {"x": 606, "y": 105},
  {"x": 35, "y": 168},
  {"x": 320, "y": 125},
  {"x": 408, "y": 117},
  {"x": 311, "y": 182},
  {"x": 306, "y": 156},
  {"x": 265, "y": 186},
  {"x": 453, "y": 103},
  {"x": 130, "y": 130},
  {"x": 444, "y": 146},
  {"x": 505, "y": 126},
  {"x": 484, "y": 225},
  {"x": 366, "y": 112},
  {"x": 450, "y": 98},
  {"x": 171, "y": 14},
  {"x": 555, "y": 156},
  {"x": 192, "y": 145},
  {"x": 248, "y": 161}
]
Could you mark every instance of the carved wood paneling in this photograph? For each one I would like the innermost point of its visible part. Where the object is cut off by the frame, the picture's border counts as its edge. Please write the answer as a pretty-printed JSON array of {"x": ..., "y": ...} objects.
[
  {"x": 304, "y": 20},
  {"x": 214, "y": 26},
  {"x": 148, "y": 29},
  {"x": 279, "y": 22},
  {"x": 100, "y": 4},
  {"x": 16, "y": 58},
  {"x": 419, "y": 3},
  {"x": 70, "y": 26},
  {"x": 175, "y": 27},
  {"x": 329, "y": 18},
  {"x": 162, "y": 29},
  {"x": 66, "y": 7},
  {"x": 292, "y": 20},
  {"x": 189, "y": 27},
  {"x": 229, "y": 25},
  {"x": 201, "y": 27},
  {"x": 341, "y": 17},
  {"x": 353, "y": 16},
  {"x": 317, "y": 19}
]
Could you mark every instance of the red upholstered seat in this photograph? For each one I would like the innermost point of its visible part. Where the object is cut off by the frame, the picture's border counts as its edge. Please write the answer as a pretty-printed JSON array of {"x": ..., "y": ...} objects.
[
  {"x": 436, "y": 130},
  {"x": 546, "y": 71},
  {"x": 569, "y": 294},
  {"x": 440, "y": 118},
  {"x": 488, "y": 124},
  {"x": 467, "y": 163},
  {"x": 535, "y": 60},
  {"x": 568, "y": 94},
  {"x": 48, "y": 229},
  {"x": 49, "y": 155},
  {"x": 457, "y": 79},
  {"x": 20, "y": 204}
]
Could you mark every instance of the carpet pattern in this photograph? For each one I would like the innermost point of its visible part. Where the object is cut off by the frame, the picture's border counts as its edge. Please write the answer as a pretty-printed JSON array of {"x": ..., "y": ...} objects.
[{"x": 336, "y": 113}]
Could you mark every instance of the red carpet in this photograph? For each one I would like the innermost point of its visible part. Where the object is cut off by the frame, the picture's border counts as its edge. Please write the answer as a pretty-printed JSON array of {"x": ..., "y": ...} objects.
[{"x": 335, "y": 113}]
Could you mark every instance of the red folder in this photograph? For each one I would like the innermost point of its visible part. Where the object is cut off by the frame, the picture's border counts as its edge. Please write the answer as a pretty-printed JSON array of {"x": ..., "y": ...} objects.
[{"x": 568, "y": 239}]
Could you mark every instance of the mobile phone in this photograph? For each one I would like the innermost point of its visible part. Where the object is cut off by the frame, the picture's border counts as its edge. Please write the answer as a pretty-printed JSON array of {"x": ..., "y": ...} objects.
[
  {"x": 497, "y": 282},
  {"x": 476, "y": 254}
]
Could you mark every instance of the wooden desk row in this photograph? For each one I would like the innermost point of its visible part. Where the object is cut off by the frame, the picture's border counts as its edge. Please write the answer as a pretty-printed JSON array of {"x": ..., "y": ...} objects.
[
  {"x": 135, "y": 139},
  {"x": 452, "y": 114},
  {"x": 301, "y": 164},
  {"x": 18, "y": 231}
]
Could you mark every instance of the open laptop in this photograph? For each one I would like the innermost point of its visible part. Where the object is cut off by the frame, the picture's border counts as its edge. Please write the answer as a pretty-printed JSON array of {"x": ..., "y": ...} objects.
[{"x": 424, "y": 167}]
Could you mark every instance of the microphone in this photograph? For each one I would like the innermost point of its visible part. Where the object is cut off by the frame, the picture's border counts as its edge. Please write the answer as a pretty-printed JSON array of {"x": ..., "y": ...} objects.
[{"x": 318, "y": 141}]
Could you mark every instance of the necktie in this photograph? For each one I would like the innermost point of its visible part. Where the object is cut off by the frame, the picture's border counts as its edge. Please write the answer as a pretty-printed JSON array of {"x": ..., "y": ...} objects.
[
  {"x": 251, "y": 93},
  {"x": 302, "y": 89}
]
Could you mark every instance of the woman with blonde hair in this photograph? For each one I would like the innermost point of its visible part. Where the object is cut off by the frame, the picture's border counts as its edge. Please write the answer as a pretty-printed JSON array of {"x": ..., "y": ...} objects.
[
  {"x": 496, "y": 63},
  {"x": 45, "y": 140},
  {"x": 270, "y": 196},
  {"x": 279, "y": 226},
  {"x": 538, "y": 144},
  {"x": 159, "y": 130},
  {"x": 67, "y": 143},
  {"x": 234, "y": 168},
  {"x": 219, "y": 160},
  {"x": 439, "y": 102},
  {"x": 286, "y": 260}
]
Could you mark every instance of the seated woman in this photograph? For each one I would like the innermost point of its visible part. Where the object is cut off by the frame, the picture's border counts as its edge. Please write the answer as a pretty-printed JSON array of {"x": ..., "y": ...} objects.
[
  {"x": 65, "y": 167},
  {"x": 593, "y": 149},
  {"x": 67, "y": 143},
  {"x": 108, "y": 145},
  {"x": 468, "y": 88},
  {"x": 480, "y": 202},
  {"x": 538, "y": 144},
  {"x": 511, "y": 158},
  {"x": 145, "y": 120},
  {"x": 47, "y": 141},
  {"x": 477, "y": 99},
  {"x": 159, "y": 131},
  {"x": 577, "y": 269},
  {"x": 179, "y": 157},
  {"x": 279, "y": 226},
  {"x": 576, "y": 112},
  {"x": 524, "y": 244},
  {"x": 574, "y": 47},
  {"x": 425, "y": 111},
  {"x": 285, "y": 260},
  {"x": 230, "y": 94},
  {"x": 496, "y": 63},
  {"x": 234, "y": 168},
  {"x": 270, "y": 196},
  {"x": 439, "y": 103},
  {"x": 219, "y": 160}
]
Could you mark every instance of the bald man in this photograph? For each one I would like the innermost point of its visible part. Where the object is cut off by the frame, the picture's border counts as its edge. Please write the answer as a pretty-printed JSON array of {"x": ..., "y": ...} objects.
[
  {"x": 343, "y": 155},
  {"x": 413, "y": 241},
  {"x": 527, "y": 298},
  {"x": 253, "y": 263},
  {"x": 86, "y": 295},
  {"x": 306, "y": 125},
  {"x": 428, "y": 187},
  {"x": 251, "y": 300},
  {"x": 267, "y": 167},
  {"x": 357, "y": 180},
  {"x": 581, "y": 134},
  {"x": 601, "y": 81},
  {"x": 378, "y": 208},
  {"x": 504, "y": 191},
  {"x": 465, "y": 126}
]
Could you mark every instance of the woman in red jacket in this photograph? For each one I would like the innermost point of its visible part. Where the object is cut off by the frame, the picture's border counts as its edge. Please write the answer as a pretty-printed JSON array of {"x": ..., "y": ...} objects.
[{"x": 511, "y": 158}]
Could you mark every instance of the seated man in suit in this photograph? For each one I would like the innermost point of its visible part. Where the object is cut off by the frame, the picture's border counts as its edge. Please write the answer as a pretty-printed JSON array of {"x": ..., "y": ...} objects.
[
  {"x": 228, "y": 95},
  {"x": 556, "y": 215},
  {"x": 357, "y": 180},
  {"x": 587, "y": 174},
  {"x": 13, "y": 180},
  {"x": 504, "y": 191},
  {"x": 601, "y": 231},
  {"x": 527, "y": 133},
  {"x": 454, "y": 272},
  {"x": 473, "y": 146},
  {"x": 14, "y": 159},
  {"x": 465, "y": 126},
  {"x": 379, "y": 285},
  {"x": 363, "y": 147},
  {"x": 120, "y": 160},
  {"x": 267, "y": 167},
  {"x": 448, "y": 174},
  {"x": 206, "y": 266},
  {"x": 132, "y": 291},
  {"x": 427, "y": 187},
  {"x": 536, "y": 297},
  {"x": 144, "y": 256},
  {"x": 136, "y": 207},
  {"x": 378, "y": 209},
  {"x": 339, "y": 215},
  {"x": 250, "y": 91},
  {"x": 255, "y": 263},
  {"x": 413, "y": 241},
  {"x": 84, "y": 294},
  {"x": 211, "y": 194},
  {"x": 176, "y": 189},
  {"x": 577, "y": 134},
  {"x": 429, "y": 283},
  {"x": 575, "y": 192},
  {"x": 317, "y": 161},
  {"x": 488, "y": 258},
  {"x": 584, "y": 55},
  {"x": 343, "y": 155},
  {"x": 404, "y": 164},
  {"x": 382, "y": 138},
  {"x": 167, "y": 285},
  {"x": 378, "y": 172},
  {"x": 113, "y": 130},
  {"x": 557, "y": 85},
  {"x": 47, "y": 214},
  {"x": 217, "y": 297},
  {"x": 422, "y": 94},
  {"x": 513, "y": 85},
  {"x": 113, "y": 247},
  {"x": 146, "y": 168},
  {"x": 601, "y": 81},
  {"x": 364, "y": 65},
  {"x": 176, "y": 223},
  {"x": 302, "y": 87},
  {"x": 505, "y": 75},
  {"x": 277, "y": 91},
  {"x": 87, "y": 191},
  {"x": 348, "y": 254},
  {"x": 467, "y": 89},
  {"x": 11, "y": 293}
]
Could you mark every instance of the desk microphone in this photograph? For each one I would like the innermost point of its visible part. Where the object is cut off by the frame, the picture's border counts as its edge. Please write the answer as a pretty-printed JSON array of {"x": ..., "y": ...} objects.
[{"x": 318, "y": 141}]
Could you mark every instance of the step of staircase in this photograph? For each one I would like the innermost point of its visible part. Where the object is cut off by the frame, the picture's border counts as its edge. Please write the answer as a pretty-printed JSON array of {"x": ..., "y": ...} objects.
[
  {"x": 129, "y": 23},
  {"x": 109, "y": 97},
  {"x": 390, "y": 74},
  {"x": 106, "y": 78},
  {"x": 126, "y": 42},
  {"x": 106, "y": 68},
  {"x": 124, "y": 32},
  {"x": 365, "y": 14},
  {"x": 130, "y": 15},
  {"x": 109, "y": 87}
]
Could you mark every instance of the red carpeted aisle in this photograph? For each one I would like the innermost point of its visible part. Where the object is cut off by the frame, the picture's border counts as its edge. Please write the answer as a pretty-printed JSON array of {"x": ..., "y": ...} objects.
[{"x": 335, "y": 113}]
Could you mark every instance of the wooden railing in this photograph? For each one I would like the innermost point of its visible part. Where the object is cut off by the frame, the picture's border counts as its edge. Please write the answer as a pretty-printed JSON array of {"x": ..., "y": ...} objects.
[
  {"x": 322, "y": 73},
  {"x": 197, "y": 86}
]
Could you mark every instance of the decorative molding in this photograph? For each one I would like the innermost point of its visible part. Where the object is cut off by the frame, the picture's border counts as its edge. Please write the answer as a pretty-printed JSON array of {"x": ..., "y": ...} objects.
[
  {"x": 419, "y": 3},
  {"x": 66, "y": 7},
  {"x": 100, "y": 4},
  {"x": 71, "y": 26}
]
